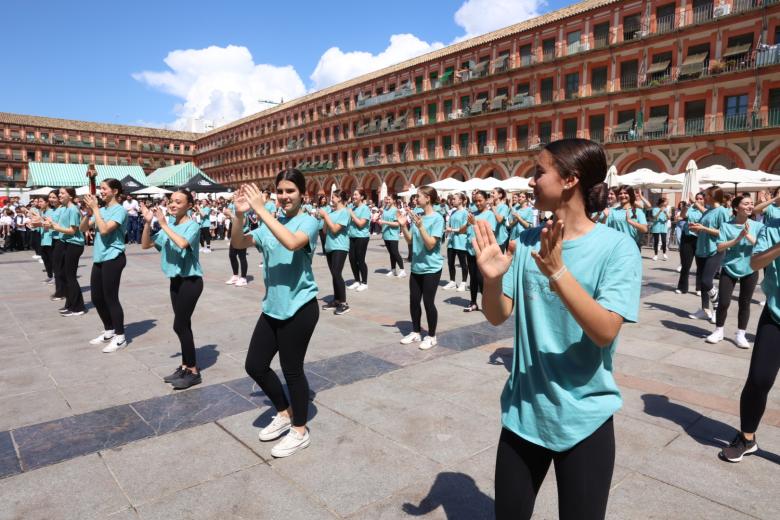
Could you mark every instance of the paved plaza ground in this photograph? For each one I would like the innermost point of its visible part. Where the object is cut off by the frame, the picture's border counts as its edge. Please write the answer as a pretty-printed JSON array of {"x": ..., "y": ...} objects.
[{"x": 396, "y": 432}]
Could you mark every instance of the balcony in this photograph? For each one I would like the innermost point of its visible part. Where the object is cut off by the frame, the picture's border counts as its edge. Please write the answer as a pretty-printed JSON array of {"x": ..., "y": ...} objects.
[
  {"x": 768, "y": 55},
  {"x": 629, "y": 82},
  {"x": 656, "y": 128},
  {"x": 477, "y": 107},
  {"x": 546, "y": 96},
  {"x": 597, "y": 135},
  {"x": 703, "y": 13},
  {"x": 600, "y": 41},
  {"x": 694, "y": 126},
  {"x": 694, "y": 66},
  {"x": 452, "y": 152},
  {"x": 548, "y": 55},
  {"x": 365, "y": 102},
  {"x": 522, "y": 100},
  {"x": 501, "y": 64},
  {"x": 665, "y": 24}
]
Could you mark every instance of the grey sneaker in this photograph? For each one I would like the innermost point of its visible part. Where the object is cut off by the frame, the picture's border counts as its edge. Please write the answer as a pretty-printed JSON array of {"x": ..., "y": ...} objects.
[
  {"x": 738, "y": 448},
  {"x": 343, "y": 308},
  {"x": 291, "y": 443}
]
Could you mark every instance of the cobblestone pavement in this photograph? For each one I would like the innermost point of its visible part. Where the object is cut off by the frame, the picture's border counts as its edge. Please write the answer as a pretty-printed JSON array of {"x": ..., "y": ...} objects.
[{"x": 396, "y": 432}]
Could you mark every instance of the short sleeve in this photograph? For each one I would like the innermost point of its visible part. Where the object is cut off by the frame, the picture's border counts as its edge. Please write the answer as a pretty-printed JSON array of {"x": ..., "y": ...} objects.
[
  {"x": 159, "y": 240},
  {"x": 342, "y": 217},
  {"x": 763, "y": 241},
  {"x": 508, "y": 281},
  {"x": 74, "y": 218},
  {"x": 437, "y": 227},
  {"x": 725, "y": 234},
  {"x": 119, "y": 216},
  {"x": 619, "y": 289},
  {"x": 640, "y": 217},
  {"x": 311, "y": 228},
  {"x": 192, "y": 233}
]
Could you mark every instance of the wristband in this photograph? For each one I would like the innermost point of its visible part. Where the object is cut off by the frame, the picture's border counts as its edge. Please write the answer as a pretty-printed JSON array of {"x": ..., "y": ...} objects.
[{"x": 557, "y": 275}]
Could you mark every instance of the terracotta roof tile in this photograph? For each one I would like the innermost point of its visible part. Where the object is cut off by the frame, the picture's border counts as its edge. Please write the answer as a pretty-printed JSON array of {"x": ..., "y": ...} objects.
[{"x": 86, "y": 126}]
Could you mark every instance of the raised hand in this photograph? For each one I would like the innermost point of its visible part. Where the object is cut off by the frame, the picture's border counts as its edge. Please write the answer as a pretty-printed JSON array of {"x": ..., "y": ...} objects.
[
  {"x": 91, "y": 202},
  {"x": 240, "y": 200},
  {"x": 402, "y": 220},
  {"x": 490, "y": 260},
  {"x": 160, "y": 215},
  {"x": 147, "y": 215},
  {"x": 254, "y": 196},
  {"x": 549, "y": 258}
]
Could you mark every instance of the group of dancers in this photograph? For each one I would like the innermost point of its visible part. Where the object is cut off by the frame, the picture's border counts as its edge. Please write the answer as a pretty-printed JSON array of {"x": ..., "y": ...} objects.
[{"x": 568, "y": 285}]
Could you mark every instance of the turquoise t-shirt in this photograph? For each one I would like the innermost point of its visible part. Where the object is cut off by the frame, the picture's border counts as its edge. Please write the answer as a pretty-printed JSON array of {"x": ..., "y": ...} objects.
[
  {"x": 271, "y": 207},
  {"x": 245, "y": 228},
  {"x": 502, "y": 229},
  {"x": 205, "y": 216},
  {"x": 706, "y": 244},
  {"x": 321, "y": 220},
  {"x": 485, "y": 215},
  {"x": 660, "y": 217},
  {"x": 458, "y": 240},
  {"x": 110, "y": 246},
  {"x": 736, "y": 262},
  {"x": 47, "y": 234},
  {"x": 390, "y": 232},
  {"x": 419, "y": 211},
  {"x": 767, "y": 238},
  {"x": 338, "y": 241},
  {"x": 772, "y": 211},
  {"x": 561, "y": 388},
  {"x": 55, "y": 217},
  {"x": 526, "y": 214},
  {"x": 693, "y": 216},
  {"x": 617, "y": 220},
  {"x": 473, "y": 208},
  {"x": 363, "y": 212},
  {"x": 287, "y": 275},
  {"x": 71, "y": 216},
  {"x": 425, "y": 261},
  {"x": 176, "y": 261}
]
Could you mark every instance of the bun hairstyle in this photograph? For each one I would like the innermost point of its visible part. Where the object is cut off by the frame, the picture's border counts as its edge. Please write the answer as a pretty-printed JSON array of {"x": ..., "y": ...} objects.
[
  {"x": 114, "y": 185},
  {"x": 716, "y": 193},
  {"x": 342, "y": 195},
  {"x": 429, "y": 192},
  {"x": 294, "y": 176},
  {"x": 188, "y": 194},
  {"x": 322, "y": 200},
  {"x": 501, "y": 192},
  {"x": 587, "y": 161}
]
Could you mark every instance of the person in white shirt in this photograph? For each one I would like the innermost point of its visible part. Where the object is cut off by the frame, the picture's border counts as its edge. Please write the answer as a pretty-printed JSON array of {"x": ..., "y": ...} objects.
[{"x": 133, "y": 220}]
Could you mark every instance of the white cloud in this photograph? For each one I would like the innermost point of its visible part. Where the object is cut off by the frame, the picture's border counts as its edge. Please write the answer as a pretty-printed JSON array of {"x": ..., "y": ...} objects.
[
  {"x": 336, "y": 65},
  {"x": 217, "y": 85},
  {"x": 482, "y": 16}
]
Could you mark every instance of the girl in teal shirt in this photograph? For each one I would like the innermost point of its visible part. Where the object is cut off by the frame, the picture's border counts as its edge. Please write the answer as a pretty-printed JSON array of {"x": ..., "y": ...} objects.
[
  {"x": 475, "y": 276},
  {"x": 457, "y": 230},
  {"x": 571, "y": 285},
  {"x": 47, "y": 208},
  {"x": 108, "y": 262},
  {"x": 390, "y": 234},
  {"x": 70, "y": 234},
  {"x": 626, "y": 218},
  {"x": 177, "y": 241},
  {"x": 501, "y": 210},
  {"x": 691, "y": 214},
  {"x": 660, "y": 216},
  {"x": 770, "y": 209},
  {"x": 290, "y": 311},
  {"x": 337, "y": 248},
  {"x": 522, "y": 215},
  {"x": 359, "y": 235}
]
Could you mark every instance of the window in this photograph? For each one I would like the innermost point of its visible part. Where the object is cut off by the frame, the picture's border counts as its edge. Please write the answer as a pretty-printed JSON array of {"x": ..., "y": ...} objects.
[
  {"x": 523, "y": 88},
  {"x": 500, "y": 140},
  {"x": 463, "y": 143},
  {"x": 632, "y": 26},
  {"x": 570, "y": 128},
  {"x": 464, "y": 103},
  {"x": 545, "y": 132},
  {"x": 598, "y": 80},
  {"x": 702, "y": 10},
  {"x": 572, "y": 85},
  {"x": 430, "y": 146},
  {"x": 664, "y": 18},
  {"x": 694, "y": 117},
  {"x": 628, "y": 75},
  {"x": 418, "y": 84},
  {"x": 735, "y": 110},
  {"x": 481, "y": 141},
  {"x": 446, "y": 143},
  {"x": 432, "y": 113},
  {"x": 447, "y": 107},
  {"x": 573, "y": 42},
  {"x": 416, "y": 149},
  {"x": 522, "y": 137},
  {"x": 546, "y": 90},
  {"x": 548, "y": 49},
  {"x": 774, "y": 107},
  {"x": 596, "y": 128},
  {"x": 526, "y": 57},
  {"x": 601, "y": 35}
]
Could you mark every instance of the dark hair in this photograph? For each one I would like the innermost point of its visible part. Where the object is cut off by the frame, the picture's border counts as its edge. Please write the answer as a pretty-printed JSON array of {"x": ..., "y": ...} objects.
[
  {"x": 361, "y": 191},
  {"x": 501, "y": 191},
  {"x": 479, "y": 192},
  {"x": 54, "y": 192},
  {"x": 716, "y": 193},
  {"x": 776, "y": 192},
  {"x": 736, "y": 201},
  {"x": 661, "y": 200},
  {"x": 587, "y": 161},
  {"x": 342, "y": 195},
  {"x": 294, "y": 176},
  {"x": 429, "y": 192},
  {"x": 319, "y": 200},
  {"x": 188, "y": 194},
  {"x": 631, "y": 198},
  {"x": 114, "y": 185},
  {"x": 70, "y": 191}
]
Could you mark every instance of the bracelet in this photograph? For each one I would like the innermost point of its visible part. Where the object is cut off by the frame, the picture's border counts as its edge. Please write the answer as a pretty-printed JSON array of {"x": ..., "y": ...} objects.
[{"x": 557, "y": 276}]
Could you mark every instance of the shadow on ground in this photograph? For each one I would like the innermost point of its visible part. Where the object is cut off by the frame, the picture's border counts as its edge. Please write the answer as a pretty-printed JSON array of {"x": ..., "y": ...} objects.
[{"x": 458, "y": 495}]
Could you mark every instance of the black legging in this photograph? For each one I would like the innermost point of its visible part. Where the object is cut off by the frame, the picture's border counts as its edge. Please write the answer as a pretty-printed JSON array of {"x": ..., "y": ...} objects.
[
  {"x": 205, "y": 237},
  {"x": 747, "y": 284},
  {"x": 290, "y": 338},
  {"x": 58, "y": 267},
  {"x": 322, "y": 239},
  {"x": 475, "y": 275},
  {"x": 423, "y": 286},
  {"x": 395, "y": 255},
  {"x": 184, "y": 296},
  {"x": 74, "y": 300},
  {"x": 764, "y": 364},
  {"x": 464, "y": 266},
  {"x": 357, "y": 258},
  {"x": 706, "y": 268},
  {"x": 336, "y": 261},
  {"x": 35, "y": 240},
  {"x": 104, "y": 287},
  {"x": 687, "y": 254},
  {"x": 236, "y": 256},
  {"x": 47, "y": 253},
  {"x": 583, "y": 474},
  {"x": 662, "y": 237}
]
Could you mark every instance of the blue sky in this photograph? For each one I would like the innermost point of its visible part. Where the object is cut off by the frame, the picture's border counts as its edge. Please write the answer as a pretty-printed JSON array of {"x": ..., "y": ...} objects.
[{"x": 104, "y": 61}]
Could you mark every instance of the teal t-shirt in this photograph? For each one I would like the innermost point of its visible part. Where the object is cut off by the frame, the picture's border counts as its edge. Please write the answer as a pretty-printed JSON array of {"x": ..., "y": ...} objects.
[
  {"x": 561, "y": 387},
  {"x": 363, "y": 212},
  {"x": 706, "y": 244},
  {"x": 502, "y": 228},
  {"x": 485, "y": 215},
  {"x": 458, "y": 240},
  {"x": 205, "y": 215},
  {"x": 321, "y": 220},
  {"x": 660, "y": 217},
  {"x": 473, "y": 208},
  {"x": 176, "y": 261},
  {"x": 736, "y": 261},
  {"x": 71, "y": 216},
  {"x": 287, "y": 275},
  {"x": 526, "y": 214},
  {"x": 338, "y": 241},
  {"x": 772, "y": 211},
  {"x": 108, "y": 247},
  {"x": 617, "y": 220},
  {"x": 693, "y": 216},
  {"x": 424, "y": 260},
  {"x": 271, "y": 207},
  {"x": 47, "y": 234},
  {"x": 767, "y": 238},
  {"x": 390, "y": 232},
  {"x": 55, "y": 217},
  {"x": 419, "y": 211}
]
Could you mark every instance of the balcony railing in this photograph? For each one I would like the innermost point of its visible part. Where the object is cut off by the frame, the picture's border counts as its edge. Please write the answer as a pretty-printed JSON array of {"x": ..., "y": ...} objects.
[
  {"x": 629, "y": 81},
  {"x": 600, "y": 41},
  {"x": 548, "y": 55},
  {"x": 703, "y": 13},
  {"x": 665, "y": 24}
]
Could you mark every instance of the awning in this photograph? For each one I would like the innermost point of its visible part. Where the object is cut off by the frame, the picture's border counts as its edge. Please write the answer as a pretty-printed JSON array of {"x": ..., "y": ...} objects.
[
  {"x": 737, "y": 50},
  {"x": 498, "y": 102},
  {"x": 477, "y": 106},
  {"x": 695, "y": 59},
  {"x": 622, "y": 128},
  {"x": 500, "y": 61},
  {"x": 56, "y": 175},
  {"x": 655, "y": 124},
  {"x": 120, "y": 172},
  {"x": 199, "y": 183},
  {"x": 480, "y": 67},
  {"x": 658, "y": 67},
  {"x": 175, "y": 175}
]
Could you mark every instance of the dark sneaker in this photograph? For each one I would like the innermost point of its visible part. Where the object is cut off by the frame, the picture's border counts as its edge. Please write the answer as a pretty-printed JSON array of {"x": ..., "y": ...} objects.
[
  {"x": 330, "y": 306},
  {"x": 186, "y": 380},
  {"x": 343, "y": 308},
  {"x": 176, "y": 375},
  {"x": 738, "y": 448}
]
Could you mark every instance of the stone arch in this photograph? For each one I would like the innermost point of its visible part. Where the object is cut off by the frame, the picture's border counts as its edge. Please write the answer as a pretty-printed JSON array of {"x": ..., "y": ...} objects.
[
  {"x": 396, "y": 182},
  {"x": 525, "y": 169},
  {"x": 456, "y": 172},
  {"x": 635, "y": 161},
  {"x": 491, "y": 170},
  {"x": 769, "y": 159},
  {"x": 707, "y": 156},
  {"x": 371, "y": 183},
  {"x": 348, "y": 183},
  {"x": 328, "y": 184},
  {"x": 423, "y": 177},
  {"x": 314, "y": 188}
]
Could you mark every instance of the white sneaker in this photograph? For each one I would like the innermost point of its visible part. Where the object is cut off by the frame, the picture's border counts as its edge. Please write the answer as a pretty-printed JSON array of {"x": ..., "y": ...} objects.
[
  {"x": 362, "y": 287},
  {"x": 701, "y": 314},
  {"x": 48, "y": 281},
  {"x": 401, "y": 274},
  {"x": 242, "y": 282},
  {"x": 741, "y": 340},
  {"x": 279, "y": 425},
  {"x": 232, "y": 281},
  {"x": 450, "y": 285},
  {"x": 677, "y": 291},
  {"x": 201, "y": 249},
  {"x": 40, "y": 260},
  {"x": 698, "y": 293},
  {"x": 105, "y": 337},
  {"x": 679, "y": 268},
  {"x": 411, "y": 338},
  {"x": 353, "y": 285},
  {"x": 207, "y": 250},
  {"x": 462, "y": 287},
  {"x": 391, "y": 273},
  {"x": 291, "y": 443},
  {"x": 715, "y": 337},
  {"x": 665, "y": 257},
  {"x": 655, "y": 257},
  {"x": 35, "y": 257},
  {"x": 117, "y": 343},
  {"x": 428, "y": 342}
]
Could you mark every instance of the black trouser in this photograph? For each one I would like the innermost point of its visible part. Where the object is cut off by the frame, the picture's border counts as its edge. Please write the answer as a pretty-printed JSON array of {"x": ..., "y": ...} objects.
[
  {"x": 395, "y": 255},
  {"x": 764, "y": 364},
  {"x": 357, "y": 259},
  {"x": 747, "y": 284},
  {"x": 104, "y": 285},
  {"x": 464, "y": 266},
  {"x": 236, "y": 256},
  {"x": 423, "y": 286},
  {"x": 475, "y": 275},
  {"x": 20, "y": 242},
  {"x": 290, "y": 338},
  {"x": 322, "y": 240},
  {"x": 58, "y": 267},
  {"x": 35, "y": 239},
  {"x": 687, "y": 254},
  {"x": 184, "y": 296},
  {"x": 706, "y": 268},
  {"x": 336, "y": 261},
  {"x": 583, "y": 474},
  {"x": 74, "y": 300},
  {"x": 205, "y": 237},
  {"x": 47, "y": 253},
  {"x": 662, "y": 237}
]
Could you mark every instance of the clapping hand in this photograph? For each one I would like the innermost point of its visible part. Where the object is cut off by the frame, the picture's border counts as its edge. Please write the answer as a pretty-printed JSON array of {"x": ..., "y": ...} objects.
[
  {"x": 549, "y": 258},
  {"x": 416, "y": 219},
  {"x": 91, "y": 202},
  {"x": 745, "y": 230},
  {"x": 490, "y": 260},
  {"x": 402, "y": 220},
  {"x": 240, "y": 200},
  {"x": 159, "y": 215},
  {"x": 146, "y": 213},
  {"x": 254, "y": 196}
]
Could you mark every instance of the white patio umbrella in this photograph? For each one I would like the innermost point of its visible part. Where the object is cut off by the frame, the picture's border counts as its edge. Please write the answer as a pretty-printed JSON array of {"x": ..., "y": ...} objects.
[
  {"x": 408, "y": 193},
  {"x": 448, "y": 184},
  {"x": 717, "y": 174},
  {"x": 515, "y": 184},
  {"x": 382, "y": 192},
  {"x": 612, "y": 177},
  {"x": 649, "y": 179},
  {"x": 39, "y": 191},
  {"x": 82, "y": 190},
  {"x": 481, "y": 184},
  {"x": 152, "y": 190},
  {"x": 690, "y": 181}
]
